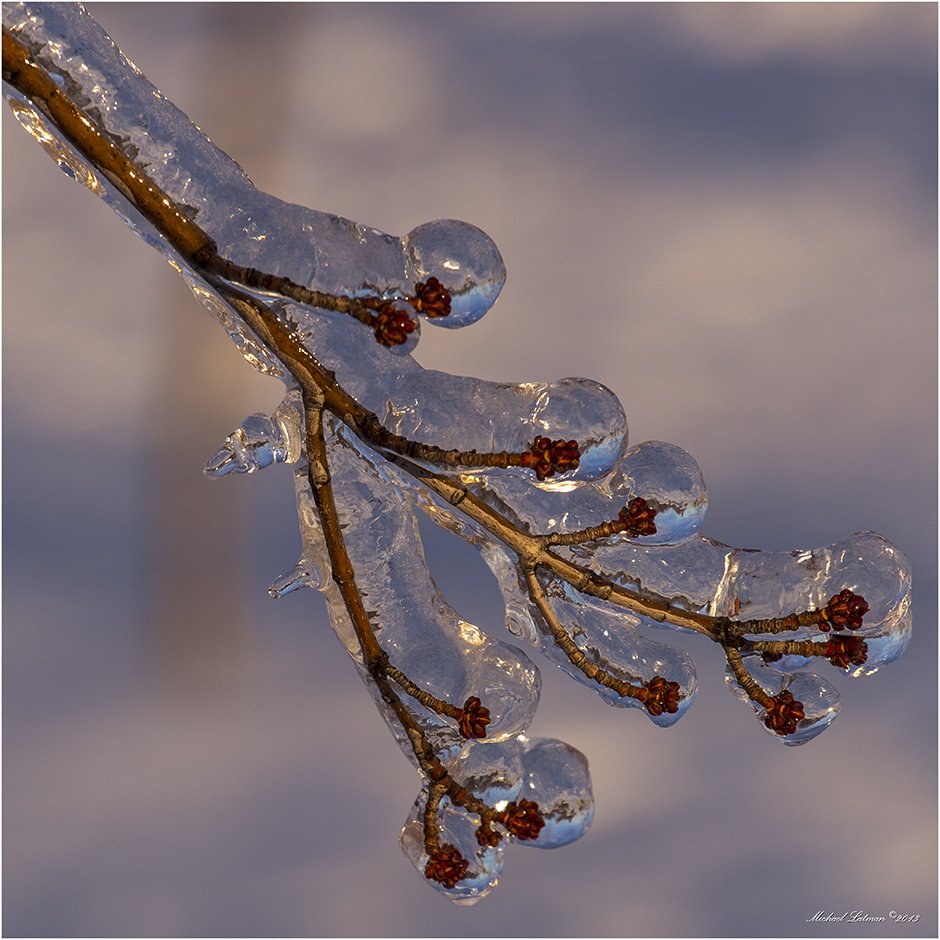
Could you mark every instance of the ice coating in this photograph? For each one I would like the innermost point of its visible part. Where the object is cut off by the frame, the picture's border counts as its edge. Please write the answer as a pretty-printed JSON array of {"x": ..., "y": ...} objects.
[
  {"x": 705, "y": 575},
  {"x": 610, "y": 638},
  {"x": 692, "y": 573},
  {"x": 664, "y": 475},
  {"x": 149, "y": 128},
  {"x": 722, "y": 574},
  {"x": 315, "y": 249},
  {"x": 458, "y": 829},
  {"x": 821, "y": 702},
  {"x": 35, "y": 125},
  {"x": 770, "y": 584},
  {"x": 464, "y": 259},
  {"x": 471, "y": 414},
  {"x": 423, "y": 636},
  {"x": 545, "y": 771}
]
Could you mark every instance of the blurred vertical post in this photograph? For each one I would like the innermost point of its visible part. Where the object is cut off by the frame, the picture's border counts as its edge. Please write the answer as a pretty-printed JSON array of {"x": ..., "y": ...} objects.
[{"x": 200, "y": 615}]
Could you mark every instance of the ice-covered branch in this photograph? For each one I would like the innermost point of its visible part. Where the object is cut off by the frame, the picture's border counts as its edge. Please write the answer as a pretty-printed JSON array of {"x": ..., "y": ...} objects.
[{"x": 591, "y": 541}]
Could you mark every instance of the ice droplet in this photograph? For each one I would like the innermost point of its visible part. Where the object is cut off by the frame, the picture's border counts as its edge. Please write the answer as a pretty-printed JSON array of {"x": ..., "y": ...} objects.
[
  {"x": 821, "y": 702},
  {"x": 869, "y": 564},
  {"x": 306, "y": 573},
  {"x": 558, "y": 779},
  {"x": 67, "y": 161},
  {"x": 464, "y": 259},
  {"x": 458, "y": 829},
  {"x": 260, "y": 441}
]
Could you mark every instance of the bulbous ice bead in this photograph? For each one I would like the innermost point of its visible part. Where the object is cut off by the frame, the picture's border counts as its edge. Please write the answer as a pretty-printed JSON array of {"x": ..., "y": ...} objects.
[
  {"x": 589, "y": 413},
  {"x": 868, "y": 564},
  {"x": 556, "y": 776},
  {"x": 491, "y": 772},
  {"x": 821, "y": 704},
  {"x": 456, "y": 828},
  {"x": 819, "y": 701},
  {"x": 464, "y": 259},
  {"x": 670, "y": 480},
  {"x": 509, "y": 684}
]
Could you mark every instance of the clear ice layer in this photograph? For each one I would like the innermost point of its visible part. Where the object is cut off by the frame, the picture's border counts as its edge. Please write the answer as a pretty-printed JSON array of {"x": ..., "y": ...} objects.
[
  {"x": 458, "y": 829},
  {"x": 543, "y": 770},
  {"x": 465, "y": 413},
  {"x": 821, "y": 702},
  {"x": 423, "y": 636},
  {"x": 664, "y": 475},
  {"x": 610, "y": 638},
  {"x": 318, "y": 250}
]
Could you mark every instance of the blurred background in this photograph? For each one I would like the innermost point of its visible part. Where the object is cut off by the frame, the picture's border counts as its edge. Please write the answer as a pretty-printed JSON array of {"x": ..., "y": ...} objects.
[{"x": 725, "y": 213}]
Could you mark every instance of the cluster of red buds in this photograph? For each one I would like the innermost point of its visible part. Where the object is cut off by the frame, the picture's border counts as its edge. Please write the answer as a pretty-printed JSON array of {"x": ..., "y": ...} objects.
[
  {"x": 637, "y": 517},
  {"x": 487, "y": 836},
  {"x": 547, "y": 457},
  {"x": 843, "y": 612},
  {"x": 845, "y": 651},
  {"x": 782, "y": 714},
  {"x": 524, "y": 820},
  {"x": 447, "y": 866},
  {"x": 431, "y": 298},
  {"x": 659, "y": 695},
  {"x": 473, "y": 718},
  {"x": 392, "y": 325}
]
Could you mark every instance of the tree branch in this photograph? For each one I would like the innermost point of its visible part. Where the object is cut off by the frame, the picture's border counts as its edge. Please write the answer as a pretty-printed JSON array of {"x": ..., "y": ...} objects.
[{"x": 440, "y": 474}]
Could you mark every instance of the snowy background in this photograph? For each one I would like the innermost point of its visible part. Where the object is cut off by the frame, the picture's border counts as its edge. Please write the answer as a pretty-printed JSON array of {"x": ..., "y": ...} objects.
[{"x": 726, "y": 213}]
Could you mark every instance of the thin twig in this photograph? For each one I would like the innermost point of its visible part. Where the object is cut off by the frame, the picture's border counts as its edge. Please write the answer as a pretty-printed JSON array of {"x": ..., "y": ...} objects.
[
  {"x": 567, "y": 645},
  {"x": 374, "y": 657},
  {"x": 746, "y": 680}
]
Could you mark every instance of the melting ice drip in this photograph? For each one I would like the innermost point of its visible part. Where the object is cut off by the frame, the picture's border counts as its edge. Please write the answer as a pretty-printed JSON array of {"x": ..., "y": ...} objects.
[{"x": 378, "y": 502}]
